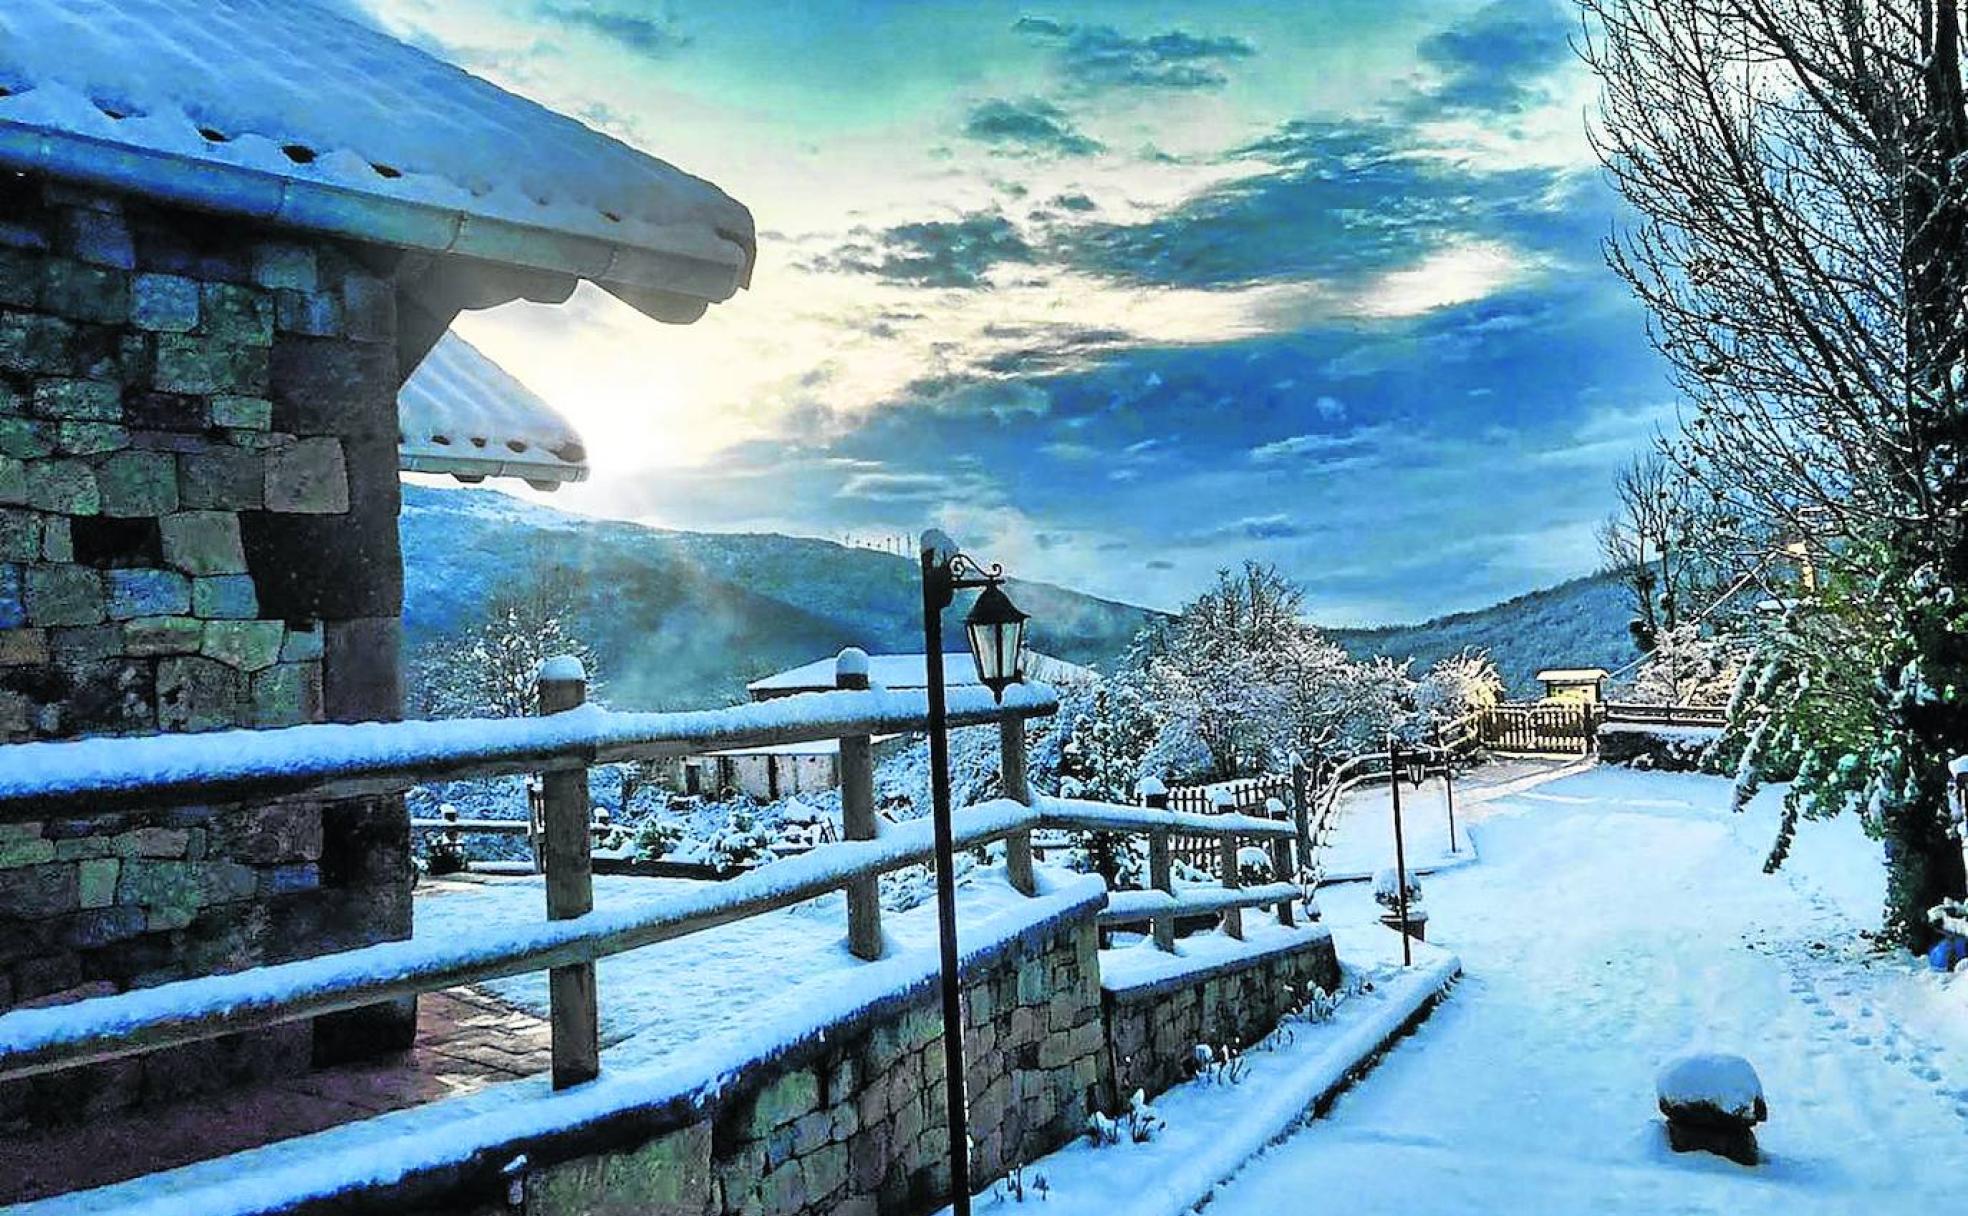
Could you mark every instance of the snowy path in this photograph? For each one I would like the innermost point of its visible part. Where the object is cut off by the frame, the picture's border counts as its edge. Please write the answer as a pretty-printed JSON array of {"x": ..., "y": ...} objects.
[
  {"x": 1363, "y": 840},
  {"x": 1615, "y": 920}
]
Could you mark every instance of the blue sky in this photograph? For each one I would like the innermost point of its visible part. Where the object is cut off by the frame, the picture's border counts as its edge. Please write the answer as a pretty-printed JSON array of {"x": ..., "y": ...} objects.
[{"x": 1116, "y": 293}]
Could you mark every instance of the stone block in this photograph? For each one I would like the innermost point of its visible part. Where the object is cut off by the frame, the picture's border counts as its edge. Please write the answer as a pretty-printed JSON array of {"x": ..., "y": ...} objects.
[
  {"x": 137, "y": 593},
  {"x": 225, "y": 479},
  {"x": 330, "y": 387},
  {"x": 16, "y": 480},
  {"x": 153, "y": 842},
  {"x": 100, "y": 238},
  {"x": 369, "y": 307},
  {"x": 85, "y": 644},
  {"x": 668, "y": 1176},
  {"x": 161, "y": 635},
  {"x": 242, "y": 413},
  {"x": 82, "y": 292},
  {"x": 62, "y": 487},
  {"x": 195, "y": 693},
  {"x": 25, "y": 851},
  {"x": 57, "y": 539},
  {"x": 302, "y": 645},
  {"x": 36, "y": 345},
  {"x": 287, "y": 694},
  {"x": 19, "y": 276},
  {"x": 22, "y": 438},
  {"x": 96, "y": 882},
  {"x": 224, "y": 597},
  {"x": 307, "y": 477},
  {"x": 65, "y": 397},
  {"x": 239, "y": 315},
  {"x": 20, "y": 647},
  {"x": 204, "y": 364},
  {"x": 165, "y": 303},
  {"x": 99, "y": 925},
  {"x": 313, "y": 313},
  {"x": 64, "y": 595},
  {"x": 35, "y": 892},
  {"x": 203, "y": 542},
  {"x": 247, "y": 645},
  {"x": 139, "y": 483},
  {"x": 20, "y": 535},
  {"x": 278, "y": 264},
  {"x": 168, "y": 422},
  {"x": 289, "y": 879},
  {"x": 90, "y": 438},
  {"x": 177, "y": 887}
]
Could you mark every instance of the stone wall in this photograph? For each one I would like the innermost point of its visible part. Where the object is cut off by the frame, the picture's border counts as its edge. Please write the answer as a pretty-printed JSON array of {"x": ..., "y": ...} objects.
[
  {"x": 852, "y": 1120},
  {"x": 1153, "y": 1028},
  {"x": 198, "y": 501}
]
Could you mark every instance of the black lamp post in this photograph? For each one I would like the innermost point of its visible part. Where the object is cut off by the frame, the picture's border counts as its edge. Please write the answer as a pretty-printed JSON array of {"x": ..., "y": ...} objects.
[
  {"x": 1394, "y": 766},
  {"x": 996, "y": 630}
]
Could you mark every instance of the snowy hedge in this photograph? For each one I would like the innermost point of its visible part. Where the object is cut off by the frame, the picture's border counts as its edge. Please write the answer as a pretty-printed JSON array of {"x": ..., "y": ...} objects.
[{"x": 1675, "y": 749}]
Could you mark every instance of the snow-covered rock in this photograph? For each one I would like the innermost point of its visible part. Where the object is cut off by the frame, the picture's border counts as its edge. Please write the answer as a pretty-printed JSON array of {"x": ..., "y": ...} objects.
[{"x": 1713, "y": 1102}]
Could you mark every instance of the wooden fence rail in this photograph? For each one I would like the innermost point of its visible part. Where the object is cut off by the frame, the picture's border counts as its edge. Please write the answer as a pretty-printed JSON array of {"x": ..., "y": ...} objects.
[{"x": 36, "y": 778}]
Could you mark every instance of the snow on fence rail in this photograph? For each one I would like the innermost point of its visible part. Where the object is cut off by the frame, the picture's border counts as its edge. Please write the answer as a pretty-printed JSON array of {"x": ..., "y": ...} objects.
[{"x": 561, "y": 743}]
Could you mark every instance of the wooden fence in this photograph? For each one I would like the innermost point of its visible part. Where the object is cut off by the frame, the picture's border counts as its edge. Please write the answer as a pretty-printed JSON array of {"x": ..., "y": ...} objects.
[
  {"x": 1544, "y": 728},
  {"x": 38, "y": 780},
  {"x": 1253, "y": 796}
]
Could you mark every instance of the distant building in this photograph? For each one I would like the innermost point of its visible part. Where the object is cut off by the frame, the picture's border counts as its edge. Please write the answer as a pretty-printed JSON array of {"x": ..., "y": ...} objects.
[
  {"x": 912, "y": 671},
  {"x": 233, "y": 237},
  {"x": 771, "y": 773},
  {"x": 1583, "y": 684}
]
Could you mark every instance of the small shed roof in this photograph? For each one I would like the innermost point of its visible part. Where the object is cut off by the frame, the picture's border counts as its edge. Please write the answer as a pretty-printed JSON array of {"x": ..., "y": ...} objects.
[
  {"x": 911, "y": 671},
  {"x": 461, "y": 413},
  {"x": 1571, "y": 675},
  {"x": 282, "y": 111}
]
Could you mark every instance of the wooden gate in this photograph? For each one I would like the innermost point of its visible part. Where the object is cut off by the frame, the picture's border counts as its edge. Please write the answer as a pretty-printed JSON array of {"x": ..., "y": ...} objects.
[{"x": 1563, "y": 727}]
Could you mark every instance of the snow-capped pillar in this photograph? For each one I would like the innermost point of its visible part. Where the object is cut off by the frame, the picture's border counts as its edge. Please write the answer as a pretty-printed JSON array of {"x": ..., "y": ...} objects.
[
  {"x": 1222, "y": 803},
  {"x": 857, "y": 786},
  {"x": 1161, "y": 869},
  {"x": 567, "y": 849},
  {"x": 1018, "y": 786},
  {"x": 1301, "y": 779}
]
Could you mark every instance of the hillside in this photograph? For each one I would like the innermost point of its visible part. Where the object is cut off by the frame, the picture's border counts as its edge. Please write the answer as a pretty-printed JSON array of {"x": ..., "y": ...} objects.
[
  {"x": 684, "y": 619},
  {"x": 1581, "y": 623}
]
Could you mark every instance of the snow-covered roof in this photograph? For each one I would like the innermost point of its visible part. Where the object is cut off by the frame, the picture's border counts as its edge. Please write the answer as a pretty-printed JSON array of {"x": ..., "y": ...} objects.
[
  {"x": 462, "y": 414},
  {"x": 910, "y": 671},
  {"x": 282, "y": 111},
  {"x": 1571, "y": 675}
]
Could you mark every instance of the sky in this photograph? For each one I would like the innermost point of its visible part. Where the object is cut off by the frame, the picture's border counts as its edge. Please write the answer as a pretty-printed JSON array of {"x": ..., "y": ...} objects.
[{"x": 1117, "y": 294}]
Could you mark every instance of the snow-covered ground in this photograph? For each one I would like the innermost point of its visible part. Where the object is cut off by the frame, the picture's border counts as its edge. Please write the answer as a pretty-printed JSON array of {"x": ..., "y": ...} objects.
[
  {"x": 1363, "y": 839},
  {"x": 1617, "y": 919}
]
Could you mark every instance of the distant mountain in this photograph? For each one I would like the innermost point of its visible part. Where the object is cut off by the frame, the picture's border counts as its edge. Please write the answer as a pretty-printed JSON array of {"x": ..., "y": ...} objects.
[
  {"x": 685, "y": 619},
  {"x": 1581, "y": 623}
]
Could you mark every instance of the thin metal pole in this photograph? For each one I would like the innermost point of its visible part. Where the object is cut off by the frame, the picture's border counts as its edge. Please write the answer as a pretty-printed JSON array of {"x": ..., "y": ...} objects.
[
  {"x": 1400, "y": 849},
  {"x": 1448, "y": 787},
  {"x": 935, "y": 595}
]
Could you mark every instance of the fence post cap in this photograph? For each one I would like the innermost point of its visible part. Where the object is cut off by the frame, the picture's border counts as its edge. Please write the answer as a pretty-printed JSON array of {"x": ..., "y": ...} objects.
[
  {"x": 851, "y": 668},
  {"x": 1275, "y": 805},
  {"x": 1149, "y": 787},
  {"x": 1222, "y": 798},
  {"x": 563, "y": 668}
]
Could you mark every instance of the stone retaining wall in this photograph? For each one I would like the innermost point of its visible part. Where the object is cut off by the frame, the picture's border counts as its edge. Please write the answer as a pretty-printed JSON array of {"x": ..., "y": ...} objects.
[
  {"x": 198, "y": 501},
  {"x": 1153, "y": 1028}
]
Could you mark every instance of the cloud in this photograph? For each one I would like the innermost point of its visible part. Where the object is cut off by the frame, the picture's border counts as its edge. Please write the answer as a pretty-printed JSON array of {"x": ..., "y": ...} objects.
[
  {"x": 1278, "y": 526},
  {"x": 650, "y": 34},
  {"x": 1493, "y": 60},
  {"x": 895, "y": 487},
  {"x": 1031, "y": 124},
  {"x": 1097, "y": 57},
  {"x": 934, "y": 253},
  {"x": 1326, "y": 450}
]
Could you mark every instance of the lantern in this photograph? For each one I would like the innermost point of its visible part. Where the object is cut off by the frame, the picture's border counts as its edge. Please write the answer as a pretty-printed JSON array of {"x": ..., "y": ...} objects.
[{"x": 996, "y": 629}]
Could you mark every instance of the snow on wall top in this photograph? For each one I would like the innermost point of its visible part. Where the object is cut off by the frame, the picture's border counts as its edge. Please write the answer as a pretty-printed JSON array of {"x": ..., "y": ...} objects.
[
  {"x": 911, "y": 671},
  {"x": 284, "y": 111},
  {"x": 462, "y": 414}
]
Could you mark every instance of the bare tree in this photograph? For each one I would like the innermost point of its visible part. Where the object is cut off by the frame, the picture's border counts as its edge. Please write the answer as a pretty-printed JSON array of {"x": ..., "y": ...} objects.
[
  {"x": 1647, "y": 543},
  {"x": 1798, "y": 166}
]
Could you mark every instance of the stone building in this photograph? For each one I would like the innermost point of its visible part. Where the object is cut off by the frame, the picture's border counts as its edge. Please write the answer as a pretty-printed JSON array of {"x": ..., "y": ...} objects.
[{"x": 217, "y": 271}]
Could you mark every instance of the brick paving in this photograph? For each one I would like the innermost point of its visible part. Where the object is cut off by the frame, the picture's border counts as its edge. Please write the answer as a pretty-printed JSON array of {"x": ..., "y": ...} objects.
[{"x": 466, "y": 1040}]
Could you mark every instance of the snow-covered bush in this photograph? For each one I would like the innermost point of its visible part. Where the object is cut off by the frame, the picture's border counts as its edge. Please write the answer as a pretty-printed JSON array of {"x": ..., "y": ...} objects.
[
  {"x": 1455, "y": 687},
  {"x": 1254, "y": 866},
  {"x": 1138, "y": 1124},
  {"x": 489, "y": 669},
  {"x": 658, "y": 836},
  {"x": 1690, "y": 667},
  {"x": 741, "y": 843},
  {"x": 1017, "y": 1188},
  {"x": 1387, "y": 889},
  {"x": 1219, "y": 1065}
]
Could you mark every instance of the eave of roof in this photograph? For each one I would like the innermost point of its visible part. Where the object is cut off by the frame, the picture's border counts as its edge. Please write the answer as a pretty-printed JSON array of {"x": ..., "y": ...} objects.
[{"x": 675, "y": 283}]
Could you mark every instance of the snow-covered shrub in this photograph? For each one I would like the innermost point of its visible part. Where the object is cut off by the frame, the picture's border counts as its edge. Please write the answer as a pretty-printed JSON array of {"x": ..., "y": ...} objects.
[
  {"x": 489, "y": 669},
  {"x": 1387, "y": 889},
  {"x": 1254, "y": 866},
  {"x": 1219, "y": 1065},
  {"x": 741, "y": 843},
  {"x": 1456, "y": 686},
  {"x": 1017, "y": 1188},
  {"x": 1669, "y": 749},
  {"x": 1690, "y": 667},
  {"x": 1119, "y": 858},
  {"x": 444, "y": 851},
  {"x": 657, "y": 837},
  {"x": 1138, "y": 1124}
]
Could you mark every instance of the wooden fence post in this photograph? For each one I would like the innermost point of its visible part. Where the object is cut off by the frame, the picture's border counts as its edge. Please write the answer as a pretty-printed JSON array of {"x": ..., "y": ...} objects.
[
  {"x": 857, "y": 786},
  {"x": 1301, "y": 779},
  {"x": 1233, "y": 918},
  {"x": 1281, "y": 860},
  {"x": 567, "y": 853},
  {"x": 1018, "y": 787},
  {"x": 1161, "y": 870}
]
